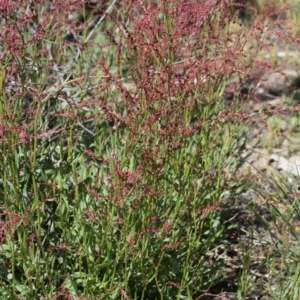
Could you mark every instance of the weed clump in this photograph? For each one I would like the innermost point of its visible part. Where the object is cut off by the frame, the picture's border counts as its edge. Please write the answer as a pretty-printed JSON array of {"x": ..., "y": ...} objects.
[{"x": 119, "y": 152}]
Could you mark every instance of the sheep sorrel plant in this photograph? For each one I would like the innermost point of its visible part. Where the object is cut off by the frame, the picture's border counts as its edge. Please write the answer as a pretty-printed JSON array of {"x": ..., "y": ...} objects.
[{"x": 119, "y": 151}]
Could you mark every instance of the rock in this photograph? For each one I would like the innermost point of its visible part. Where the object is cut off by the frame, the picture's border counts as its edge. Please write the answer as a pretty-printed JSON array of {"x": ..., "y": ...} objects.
[{"x": 290, "y": 165}]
